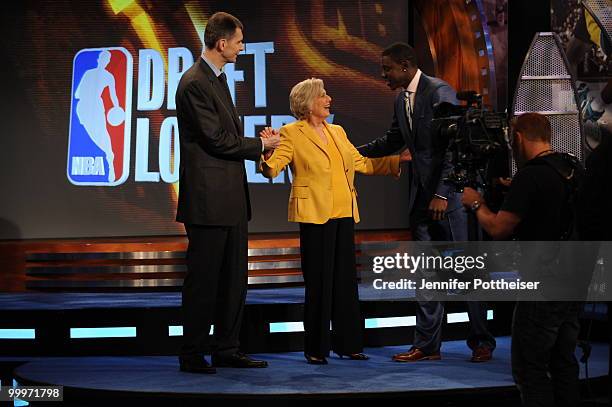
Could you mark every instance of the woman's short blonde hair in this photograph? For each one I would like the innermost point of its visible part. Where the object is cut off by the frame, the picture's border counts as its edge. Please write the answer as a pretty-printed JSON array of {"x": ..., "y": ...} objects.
[{"x": 302, "y": 96}]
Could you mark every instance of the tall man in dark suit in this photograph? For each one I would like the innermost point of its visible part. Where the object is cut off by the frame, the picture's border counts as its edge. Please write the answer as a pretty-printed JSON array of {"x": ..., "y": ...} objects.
[
  {"x": 435, "y": 208},
  {"x": 214, "y": 202}
]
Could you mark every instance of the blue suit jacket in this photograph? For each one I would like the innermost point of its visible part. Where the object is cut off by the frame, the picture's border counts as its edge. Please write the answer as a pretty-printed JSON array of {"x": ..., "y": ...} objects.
[{"x": 430, "y": 161}]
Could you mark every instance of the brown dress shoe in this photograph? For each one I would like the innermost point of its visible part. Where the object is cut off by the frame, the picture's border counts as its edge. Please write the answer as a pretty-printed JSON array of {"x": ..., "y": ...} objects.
[
  {"x": 481, "y": 354},
  {"x": 414, "y": 355}
]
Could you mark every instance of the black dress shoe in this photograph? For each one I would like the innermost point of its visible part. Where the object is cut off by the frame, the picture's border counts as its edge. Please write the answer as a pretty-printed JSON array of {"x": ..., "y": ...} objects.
[
  {"x": 238, "y": 359},
  {"x": 315, "y": 360},
  {"x": 196, "y": 365},
  {"x": 353, "y": 356}
]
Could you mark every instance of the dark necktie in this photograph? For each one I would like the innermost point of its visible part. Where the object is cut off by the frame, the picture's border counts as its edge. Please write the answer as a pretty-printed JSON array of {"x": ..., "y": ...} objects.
[{"x": 223, "y": 79}]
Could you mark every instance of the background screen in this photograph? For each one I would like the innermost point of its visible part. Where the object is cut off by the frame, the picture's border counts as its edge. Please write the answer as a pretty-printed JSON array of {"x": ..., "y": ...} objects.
[{"x": 56, "y": 179}]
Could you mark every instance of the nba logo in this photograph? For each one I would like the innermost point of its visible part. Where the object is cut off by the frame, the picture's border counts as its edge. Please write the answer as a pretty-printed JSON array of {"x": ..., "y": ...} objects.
[{"x": 100, "y": 113}]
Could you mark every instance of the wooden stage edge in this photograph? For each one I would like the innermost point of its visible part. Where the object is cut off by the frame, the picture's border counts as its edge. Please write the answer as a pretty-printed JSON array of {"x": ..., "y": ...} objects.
[
  {"x": 175, "y": 242},
  {"x": 13, "y": 253}
]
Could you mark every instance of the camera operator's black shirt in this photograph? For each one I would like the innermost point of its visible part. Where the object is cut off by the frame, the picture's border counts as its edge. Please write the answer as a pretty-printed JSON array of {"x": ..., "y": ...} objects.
[{"x": 538, "y": 195}]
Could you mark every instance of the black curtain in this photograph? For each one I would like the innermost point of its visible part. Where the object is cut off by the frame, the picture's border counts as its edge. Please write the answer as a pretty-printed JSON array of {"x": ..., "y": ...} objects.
[{"x": 525, "y": 18}]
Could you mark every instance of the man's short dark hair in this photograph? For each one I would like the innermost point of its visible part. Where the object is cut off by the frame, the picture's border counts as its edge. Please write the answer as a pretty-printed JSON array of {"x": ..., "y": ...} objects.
[
  {"x": 534, "y": 126},
  {"x": 220, "y": 25},
  {"x": 401, "y": 52}
]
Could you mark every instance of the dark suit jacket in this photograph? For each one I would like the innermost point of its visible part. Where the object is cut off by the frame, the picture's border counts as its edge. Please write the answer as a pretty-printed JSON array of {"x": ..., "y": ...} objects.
[
  {"x": 430, "y": 164},
  {"x": 213, "y": 186}
]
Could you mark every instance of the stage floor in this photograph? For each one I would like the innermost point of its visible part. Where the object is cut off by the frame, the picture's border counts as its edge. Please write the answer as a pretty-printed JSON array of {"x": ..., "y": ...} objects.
[
  {"x": 37, "y": 301},
  {"x": 288, "y": 374},
  {"x": 65, "y": 301}
]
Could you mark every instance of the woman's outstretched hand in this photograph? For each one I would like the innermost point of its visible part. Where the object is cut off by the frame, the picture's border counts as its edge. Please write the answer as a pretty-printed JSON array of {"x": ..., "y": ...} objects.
[{"x": 405, "y": 156}]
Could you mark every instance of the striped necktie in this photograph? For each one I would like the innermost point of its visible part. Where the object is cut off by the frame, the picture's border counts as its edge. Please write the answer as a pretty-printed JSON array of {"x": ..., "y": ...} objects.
[{"x": 408, "y": 102}]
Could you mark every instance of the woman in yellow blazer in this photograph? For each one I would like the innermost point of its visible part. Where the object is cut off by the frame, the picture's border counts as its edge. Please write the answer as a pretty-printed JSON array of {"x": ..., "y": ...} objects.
[{"x": 323, "y": 200}]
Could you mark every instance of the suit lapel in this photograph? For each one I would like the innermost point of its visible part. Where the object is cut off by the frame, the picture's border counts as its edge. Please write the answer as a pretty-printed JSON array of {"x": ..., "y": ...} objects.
[
  {"x": 418, "y": 98},
  {"x": 312, "y": 136},
  {"x": 344, "y": 152},
  {"x": 230, "y": 102},
  {"x": 222, "y": 93}
]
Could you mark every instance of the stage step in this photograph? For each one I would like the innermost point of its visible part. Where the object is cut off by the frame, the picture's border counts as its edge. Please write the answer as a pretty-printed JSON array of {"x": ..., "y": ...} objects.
[{"x": 150, "y": 323}]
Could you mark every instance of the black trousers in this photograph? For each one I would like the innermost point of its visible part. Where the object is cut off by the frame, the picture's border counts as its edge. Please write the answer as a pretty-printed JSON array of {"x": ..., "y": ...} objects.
[
  {"x": 330, "y": 276},
  {"x": 544, "y": 366},
  {"x": 214, "y": 290}
]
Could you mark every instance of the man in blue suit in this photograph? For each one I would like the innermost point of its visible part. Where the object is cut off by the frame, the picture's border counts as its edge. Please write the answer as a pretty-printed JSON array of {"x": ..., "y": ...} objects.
[{"x": 436, "y": 212}]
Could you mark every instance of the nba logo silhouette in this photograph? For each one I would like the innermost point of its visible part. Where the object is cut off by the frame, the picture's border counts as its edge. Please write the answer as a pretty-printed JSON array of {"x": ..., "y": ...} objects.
[{"x": 99, "y": 138}]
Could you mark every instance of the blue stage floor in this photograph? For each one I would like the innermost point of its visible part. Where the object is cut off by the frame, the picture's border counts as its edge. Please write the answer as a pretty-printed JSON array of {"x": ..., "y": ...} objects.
[
  {"x": 68, "y": 300},
  {"x": 289, "y": 374}
]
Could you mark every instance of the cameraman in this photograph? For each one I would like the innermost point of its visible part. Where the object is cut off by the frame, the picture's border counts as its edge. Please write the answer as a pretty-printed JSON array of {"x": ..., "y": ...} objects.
[{"x": 544, "y": 334}]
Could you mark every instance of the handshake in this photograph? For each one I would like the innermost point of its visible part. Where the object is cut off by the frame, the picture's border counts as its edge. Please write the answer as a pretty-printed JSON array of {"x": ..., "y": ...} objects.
[{"x": 270, "y": 139}]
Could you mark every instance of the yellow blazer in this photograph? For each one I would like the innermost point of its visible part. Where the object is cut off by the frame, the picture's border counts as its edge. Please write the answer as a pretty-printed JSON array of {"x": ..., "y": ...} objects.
[{"x": 311, "y": 191}]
